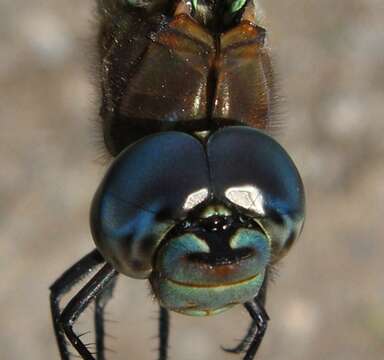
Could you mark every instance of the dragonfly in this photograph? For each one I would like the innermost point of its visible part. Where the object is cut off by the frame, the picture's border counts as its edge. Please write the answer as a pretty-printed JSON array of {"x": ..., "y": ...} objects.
[{"x": 200, "y": 199}]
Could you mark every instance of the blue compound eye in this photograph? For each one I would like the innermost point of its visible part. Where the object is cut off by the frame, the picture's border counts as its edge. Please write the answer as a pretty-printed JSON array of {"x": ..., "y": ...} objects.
[
  {"x": 149, "y": 187},
  {"x": 252, "y": 171}
]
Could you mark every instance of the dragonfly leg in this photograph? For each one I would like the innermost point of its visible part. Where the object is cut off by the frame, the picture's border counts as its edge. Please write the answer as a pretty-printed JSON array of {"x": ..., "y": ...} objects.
[
  {"x": 62, "y": 286},
  {"x": 101, "y": 302},
  {"x": 253, "y": 328},
  {"x": 244, "y": 343},
  {"x": 261, "y": 318},
  {"x": 79, "y": 303},
  {"x": 163, "y": 333}
]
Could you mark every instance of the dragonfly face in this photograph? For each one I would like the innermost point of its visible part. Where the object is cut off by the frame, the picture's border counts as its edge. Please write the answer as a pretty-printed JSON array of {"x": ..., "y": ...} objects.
[
  {"x": 199, "y": 200},
  {"x": 199, "y": 218}
]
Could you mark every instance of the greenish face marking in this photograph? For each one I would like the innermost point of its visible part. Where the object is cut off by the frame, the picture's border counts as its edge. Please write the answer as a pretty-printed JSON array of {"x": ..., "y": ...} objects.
[
  {"x": 204, "y": 301},
  {"x": 189, "y": 278}
]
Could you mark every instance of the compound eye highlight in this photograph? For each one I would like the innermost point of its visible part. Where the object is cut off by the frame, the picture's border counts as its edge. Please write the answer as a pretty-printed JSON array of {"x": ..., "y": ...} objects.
[
  {"x": 253, "y": 172},
  {"x": 248, "y": 197}
]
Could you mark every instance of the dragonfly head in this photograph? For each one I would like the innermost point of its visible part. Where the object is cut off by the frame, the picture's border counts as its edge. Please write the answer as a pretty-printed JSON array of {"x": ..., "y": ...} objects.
[
  {"x": 201, "y": 218},
  {"x": 211, "y": 263}
]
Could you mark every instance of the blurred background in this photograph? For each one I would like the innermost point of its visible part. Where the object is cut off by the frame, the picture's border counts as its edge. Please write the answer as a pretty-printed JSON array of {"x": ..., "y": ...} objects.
[{"x": 328, "y": 300}]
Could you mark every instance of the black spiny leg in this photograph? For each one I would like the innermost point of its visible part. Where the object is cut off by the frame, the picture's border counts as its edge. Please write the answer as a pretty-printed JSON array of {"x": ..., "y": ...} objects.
[
  {"x": 101, "y": 303},
  {"x": 163, "y": 333},
  {"x": 253, "y": 328},
  {"x": 62, "y": 286},
  {"x": 80, "y": 302}
]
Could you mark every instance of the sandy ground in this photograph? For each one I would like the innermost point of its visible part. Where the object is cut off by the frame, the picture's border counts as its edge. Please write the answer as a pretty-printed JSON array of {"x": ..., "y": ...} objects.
[{"x": 328, "y": 300}]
